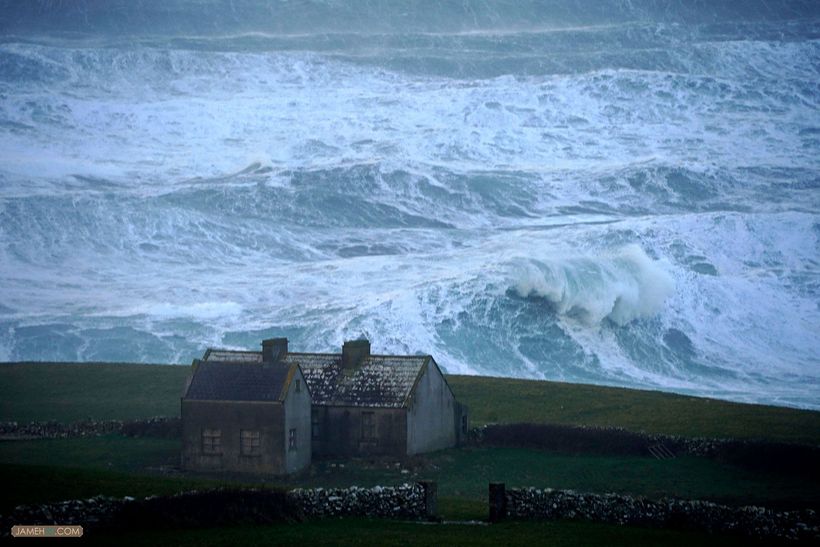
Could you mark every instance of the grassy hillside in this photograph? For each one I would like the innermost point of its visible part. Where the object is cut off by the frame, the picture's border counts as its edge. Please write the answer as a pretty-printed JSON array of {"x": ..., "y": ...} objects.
[
  {"x": 510, "y": 400},
  {"x": 56, "y": 469},
  {"x": 71, "y": 392}
]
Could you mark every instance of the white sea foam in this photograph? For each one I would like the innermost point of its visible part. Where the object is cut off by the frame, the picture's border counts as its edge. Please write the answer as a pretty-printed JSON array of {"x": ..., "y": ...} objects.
[
  {"x": 172, "y": 199},
  {"x": 620, "y": 286}
]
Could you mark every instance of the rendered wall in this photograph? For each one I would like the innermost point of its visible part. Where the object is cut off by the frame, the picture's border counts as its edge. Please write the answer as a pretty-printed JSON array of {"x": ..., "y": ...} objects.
[
  {"x": 230, "y": 418},
  {"x": 297, "y": 416},
  {"x": 430, "y": 416}
]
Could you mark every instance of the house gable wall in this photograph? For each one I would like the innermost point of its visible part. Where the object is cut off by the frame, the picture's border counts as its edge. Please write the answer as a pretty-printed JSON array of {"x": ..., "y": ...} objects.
[
  {"x": 430, "y": 414},
  {"x": 297, "y": 418},
  {"x": 230, "y": 417}
]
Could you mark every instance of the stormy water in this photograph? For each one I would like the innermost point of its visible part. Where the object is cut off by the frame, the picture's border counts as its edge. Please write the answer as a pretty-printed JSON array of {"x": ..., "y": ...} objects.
[{"x": 616, "y": 192}]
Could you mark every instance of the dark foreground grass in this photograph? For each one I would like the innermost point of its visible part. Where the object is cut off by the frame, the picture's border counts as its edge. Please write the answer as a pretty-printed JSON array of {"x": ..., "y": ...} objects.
[
  {"x": 107, "y": 452},
  {"x": 68, "y": 392},
  {"x": 461, "y": 474},
  {"x": 28, "y": 484},
  {"x": 350, "y": 531}
]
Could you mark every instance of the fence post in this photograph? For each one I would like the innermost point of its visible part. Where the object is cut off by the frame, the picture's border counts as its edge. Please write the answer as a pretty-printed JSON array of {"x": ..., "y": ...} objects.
[{"x": 498, "y": 501}]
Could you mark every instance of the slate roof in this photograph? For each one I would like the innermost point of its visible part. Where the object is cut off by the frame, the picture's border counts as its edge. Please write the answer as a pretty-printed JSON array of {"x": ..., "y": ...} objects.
[
  {"x": 378, "y": 381},
  {"x": 232, "y": 356},
  {"x": 237, "y": 381}
]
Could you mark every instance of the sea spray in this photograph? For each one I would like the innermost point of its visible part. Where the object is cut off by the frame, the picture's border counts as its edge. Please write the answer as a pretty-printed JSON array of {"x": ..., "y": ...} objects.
[{"x": 621, "y": 286}]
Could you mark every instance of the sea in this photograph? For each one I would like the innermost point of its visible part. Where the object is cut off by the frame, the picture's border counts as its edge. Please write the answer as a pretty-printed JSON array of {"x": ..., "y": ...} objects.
[{"x": 616, "y": 192}]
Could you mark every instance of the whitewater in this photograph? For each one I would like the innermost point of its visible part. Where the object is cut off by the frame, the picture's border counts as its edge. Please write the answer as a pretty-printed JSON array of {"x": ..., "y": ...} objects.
[{"x": 620, "y": 193}]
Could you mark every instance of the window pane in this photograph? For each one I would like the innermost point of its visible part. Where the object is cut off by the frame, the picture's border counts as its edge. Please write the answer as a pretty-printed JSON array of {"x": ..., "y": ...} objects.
[
  {"x": 211, "y": 441},
  {"x": 250, "y": 442}
]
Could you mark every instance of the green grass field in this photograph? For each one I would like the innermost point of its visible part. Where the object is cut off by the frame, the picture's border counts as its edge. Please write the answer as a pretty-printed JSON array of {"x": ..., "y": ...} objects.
[
  {"x": 460, "y": 473},
  {"x": 72, "y": 392},
  {"x": 52, "y": 470},
  {"x": 78, "y": 391}
]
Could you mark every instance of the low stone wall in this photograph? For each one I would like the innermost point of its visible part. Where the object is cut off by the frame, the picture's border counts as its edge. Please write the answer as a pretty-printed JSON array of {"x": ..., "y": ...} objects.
[
  {"x": 548, "y": 504},
  {"x": 405, "y": 501},
  {"x": 229, "y": 507},
  {"x": 159, "y": 426},
  {"x": 91, "y": 512}
]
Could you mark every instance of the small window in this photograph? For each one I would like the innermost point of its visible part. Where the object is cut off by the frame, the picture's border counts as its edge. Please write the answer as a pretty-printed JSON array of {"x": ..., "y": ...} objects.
[
  {"x": 212, "y": 441},
  {"x": 292, "y": 439},
  {"x": 368, "y": 426},
  {"x": 315, "y": 425},
  {"x": 298, "y": 386},
  {"x": 464, "y": 424},
  {"x": 250, "y": 442}
]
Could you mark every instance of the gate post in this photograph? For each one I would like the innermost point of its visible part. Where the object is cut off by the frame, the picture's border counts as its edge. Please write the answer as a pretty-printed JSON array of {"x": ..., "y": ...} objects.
[
  {"x": 498, "y": 501},
  {"x": 430, "y": 499}
]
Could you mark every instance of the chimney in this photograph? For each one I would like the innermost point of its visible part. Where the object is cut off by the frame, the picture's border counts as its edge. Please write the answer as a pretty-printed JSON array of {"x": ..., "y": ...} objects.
[
  {"x": 274, "y": 349},
  {"x": 354, "y": 352}
]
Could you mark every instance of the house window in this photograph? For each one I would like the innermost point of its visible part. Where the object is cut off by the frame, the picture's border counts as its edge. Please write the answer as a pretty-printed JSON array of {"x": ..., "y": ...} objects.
[
  {"x": 298, "y": 386},
  {"x": 250, "y": 442},
  {"x": 368, "y": 426},
  {"x": 315, "y": 425},
  {"x": 464, "y": 424},
  {"x": 292, "y": 439},
  {"x": 212, "y": 441}
]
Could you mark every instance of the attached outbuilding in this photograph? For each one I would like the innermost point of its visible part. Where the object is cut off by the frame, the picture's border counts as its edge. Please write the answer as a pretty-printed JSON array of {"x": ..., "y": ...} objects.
[{"x": 249, "y": 416}]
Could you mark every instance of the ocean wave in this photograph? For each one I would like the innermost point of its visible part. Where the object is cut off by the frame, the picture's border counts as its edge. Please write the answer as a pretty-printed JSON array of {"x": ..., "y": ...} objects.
[{"x": 621, "y": 286}]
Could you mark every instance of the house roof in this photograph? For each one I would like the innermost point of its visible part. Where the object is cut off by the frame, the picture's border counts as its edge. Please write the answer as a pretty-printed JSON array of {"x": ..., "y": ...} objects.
[
  {"x": 238, "y": 381},
  {"x": 378, "y": 381}
]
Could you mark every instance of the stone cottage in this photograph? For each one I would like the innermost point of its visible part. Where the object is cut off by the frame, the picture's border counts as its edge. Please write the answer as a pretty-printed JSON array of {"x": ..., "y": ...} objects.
[
  {"x": 368, "y": 405},
  {"x": 251, "y": 416}
]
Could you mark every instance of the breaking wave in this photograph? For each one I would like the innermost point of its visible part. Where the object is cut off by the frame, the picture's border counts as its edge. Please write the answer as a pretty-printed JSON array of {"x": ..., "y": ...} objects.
[{"x": 621, "y": 287}]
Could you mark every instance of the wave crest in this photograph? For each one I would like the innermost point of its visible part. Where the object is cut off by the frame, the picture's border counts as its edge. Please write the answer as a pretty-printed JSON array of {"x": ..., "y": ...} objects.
[{"x": 622, "y": 286}]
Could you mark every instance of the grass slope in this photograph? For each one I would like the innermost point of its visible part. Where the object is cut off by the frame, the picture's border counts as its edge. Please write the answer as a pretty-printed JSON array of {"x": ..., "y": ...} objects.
[
  {"x": 69, "y": 392},
  {"x": 74, "y": 391},
  {"x": 508, "y": 400},
  {"x": 52, "y": 470},
  {"x": 460, "y": 473}
]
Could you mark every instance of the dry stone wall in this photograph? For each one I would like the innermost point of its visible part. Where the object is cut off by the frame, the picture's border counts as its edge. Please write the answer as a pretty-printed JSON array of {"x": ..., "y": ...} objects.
[
  {"x": 548, "y": 504},
  {"x": 229, "y": 507},
  {"x": 405, "y": 501},
  {"x": 160, "y": 426}
]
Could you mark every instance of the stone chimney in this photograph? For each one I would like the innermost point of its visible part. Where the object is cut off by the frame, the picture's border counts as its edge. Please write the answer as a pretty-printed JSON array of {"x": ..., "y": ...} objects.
[
  {"x": 354, "y": 352},
  {"x": 274, "y": 349}
]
